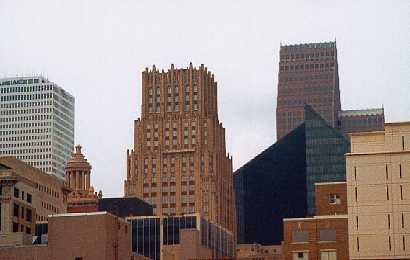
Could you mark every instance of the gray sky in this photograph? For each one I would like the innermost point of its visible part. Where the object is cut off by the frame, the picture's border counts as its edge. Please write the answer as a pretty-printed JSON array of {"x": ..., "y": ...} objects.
[{"x": 97, "y": 50}]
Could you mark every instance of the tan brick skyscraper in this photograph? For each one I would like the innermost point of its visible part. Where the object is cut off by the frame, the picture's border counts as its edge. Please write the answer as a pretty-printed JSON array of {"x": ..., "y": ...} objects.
[{"x": 179, "y": 162}]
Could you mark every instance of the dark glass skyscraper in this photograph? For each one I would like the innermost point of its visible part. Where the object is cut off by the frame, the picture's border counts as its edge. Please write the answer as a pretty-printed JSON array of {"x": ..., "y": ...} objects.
[{"x": 279, "y": 182}]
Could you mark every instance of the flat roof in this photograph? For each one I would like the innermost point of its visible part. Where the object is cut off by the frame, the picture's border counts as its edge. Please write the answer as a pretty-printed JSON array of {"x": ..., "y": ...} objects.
[
  {"x": 330, "y": 183},
  {"x": 79, "y": 214},
  {"x": 317, "y": 217},
  {"x": 362, "y": 112}
]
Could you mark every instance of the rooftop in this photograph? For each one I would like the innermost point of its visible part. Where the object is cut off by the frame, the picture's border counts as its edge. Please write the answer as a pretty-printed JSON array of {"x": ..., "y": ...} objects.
[
  {"x": 317, "y": 45},
  {"x": 362, "y": 112}
]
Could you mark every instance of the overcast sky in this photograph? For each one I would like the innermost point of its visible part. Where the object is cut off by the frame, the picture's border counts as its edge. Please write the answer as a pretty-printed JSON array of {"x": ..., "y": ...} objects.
[{"x": 97, "y": 50}]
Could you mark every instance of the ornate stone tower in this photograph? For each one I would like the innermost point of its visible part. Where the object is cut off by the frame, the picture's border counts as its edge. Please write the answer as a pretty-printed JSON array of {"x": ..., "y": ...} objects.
[
  {"x": 179, "y": 162},
  {"x": 77, "y": 172}
]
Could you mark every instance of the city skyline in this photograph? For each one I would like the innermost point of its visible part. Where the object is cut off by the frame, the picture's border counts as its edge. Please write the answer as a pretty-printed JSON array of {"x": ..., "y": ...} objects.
[{"x": 100, "y": 59}]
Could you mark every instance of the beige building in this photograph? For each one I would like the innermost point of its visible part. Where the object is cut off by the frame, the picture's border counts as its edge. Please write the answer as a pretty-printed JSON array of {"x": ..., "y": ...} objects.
[
  {"x": 378, "y": 192},
  {"x": 179, "y": 162},
  {"x": 27, "y": 195}
]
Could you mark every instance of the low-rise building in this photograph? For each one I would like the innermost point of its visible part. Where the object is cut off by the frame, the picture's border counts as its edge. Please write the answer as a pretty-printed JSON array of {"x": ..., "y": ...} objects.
[
  {"x": 27, "y": 195},
  {"x": 323, "y": 236},
  {"x": 79, "y": 236},
  {"x": 378, "y": 192},
  {"x": 258, "y": 251},
  {"x": 180, "y": 237}
]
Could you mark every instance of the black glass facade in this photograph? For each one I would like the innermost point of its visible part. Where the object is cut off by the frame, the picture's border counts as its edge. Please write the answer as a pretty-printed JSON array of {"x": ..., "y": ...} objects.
[
  {"x": 146, "y": 234},
  {"x": 325, "y": 154},
  {"x": 279, "y": 182}
]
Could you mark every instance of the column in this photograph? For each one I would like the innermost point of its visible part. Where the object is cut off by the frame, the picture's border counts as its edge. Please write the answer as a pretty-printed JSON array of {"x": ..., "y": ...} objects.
[
  {"x": 88, "y": 181},
  {"x": 77, "y": 180}
]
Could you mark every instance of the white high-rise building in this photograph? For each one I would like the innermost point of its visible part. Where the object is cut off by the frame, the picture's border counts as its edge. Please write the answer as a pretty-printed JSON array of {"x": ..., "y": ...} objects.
[{"x": 36, "y": 122}]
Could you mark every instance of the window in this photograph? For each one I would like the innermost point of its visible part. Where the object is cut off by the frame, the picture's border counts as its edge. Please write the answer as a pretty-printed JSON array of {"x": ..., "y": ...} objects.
[
  {"x": 29, "y": 198},
  {"x": 334, "y": 199},
  {"x": 28, "y": 215},
  {"x": 78, "y": 258},
  {"x": 327, "y": 235},
  {"x": 15, "y": 227},
  {"x": 301, "y": 256},
  {"x": 15, "y": 210},
  {"x": 328, "y": 255},
  {"x": 16, "y": 192},
  {"x": 300, "y": 236}
]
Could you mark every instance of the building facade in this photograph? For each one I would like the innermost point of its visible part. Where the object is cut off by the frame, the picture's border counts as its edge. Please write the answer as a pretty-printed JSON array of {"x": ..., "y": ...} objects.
[
  {"x": 258, "y": 251},
  {"x": 365, "y": 120},
  {"x": 308, "y": 74},
  {"x": 325, "y": 235},
  {"x": 378, "y": 188},
  {"x": 280, "y": 182},
  {"x": 77, "y": 175},
  {"x": 27, "y": 195},
  {"x": 179, "y": 162},
  {"x": 161, "y": 238},
  {"x": 80, "y": 236},
  {"x": 36, "y": 122}
]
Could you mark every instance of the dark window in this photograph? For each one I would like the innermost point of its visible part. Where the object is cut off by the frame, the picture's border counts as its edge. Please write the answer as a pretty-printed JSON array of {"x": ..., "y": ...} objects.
[
  {"x": 15, "y": 210},
  {"x": 29, "y": 198},
  {"x": 28, "y": 215},
  {"x": 16, "y": 192},
  {"x": 78, "y": 258},
  {"x": 400, "y": 171},
  {"x": 15, "y": 227},
  {"x": 28, "y": 230}
]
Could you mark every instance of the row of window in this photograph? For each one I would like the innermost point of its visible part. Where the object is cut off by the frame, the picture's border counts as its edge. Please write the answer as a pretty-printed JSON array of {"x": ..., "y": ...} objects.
[
  {"x": 21, "y": 228},
  {"x": 27, "y": 97},
  {"x": 13, "y": 112},
  {"x": 308, "y": 67},
  {"x": 33, "y": 117},
  {"x": 22, "y": 212},
  {"x": 22, "y": 145},
  {"x": 21, "y": 89},
  {"x": 22, "y": 195},
  {"x": 307, "y": 56},
  {"x": 13, "y": 105},
  {"x": 35, "y": 128}
]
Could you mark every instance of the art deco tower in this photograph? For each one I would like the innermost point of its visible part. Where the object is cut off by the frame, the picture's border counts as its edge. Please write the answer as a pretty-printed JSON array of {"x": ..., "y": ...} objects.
[
  {"x": 179, "y": 162},
  {"x": 308, "y": 75}
]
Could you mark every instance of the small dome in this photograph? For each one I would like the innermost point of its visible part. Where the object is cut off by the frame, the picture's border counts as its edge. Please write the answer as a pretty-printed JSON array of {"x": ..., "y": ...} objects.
[{"x": 78, "y": 161}]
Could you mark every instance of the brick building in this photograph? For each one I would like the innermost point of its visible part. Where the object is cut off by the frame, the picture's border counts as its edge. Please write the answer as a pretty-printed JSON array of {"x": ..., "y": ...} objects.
[
  {"x": 378, "y": 192},
  {"x": 258, "y": 251},
  {"x": 27, "y": 195},
  {"x": 77, "y": 174},
  {"x": 79, "y": 236},
  {"x": 179, "y": 163},
  {"x": 325, "y": 235},
  {"x": 308, "y": 74},
  {"x": 330, "y": 198}
]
